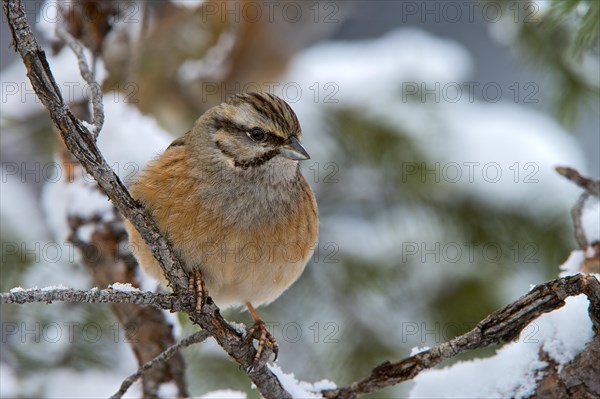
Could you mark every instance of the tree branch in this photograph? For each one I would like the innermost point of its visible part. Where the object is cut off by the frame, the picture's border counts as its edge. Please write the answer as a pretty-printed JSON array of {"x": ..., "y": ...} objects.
[
  {"x": 592, "y": 187},
  {"x": 86, "y": 74},
  {"x": 82, "y": 145},
  {"x": 576, "y": 214},
  {"x": 502, "y": 325},
  {"x": 161, "y": 301},
  {"x": 162, "y": 358}
]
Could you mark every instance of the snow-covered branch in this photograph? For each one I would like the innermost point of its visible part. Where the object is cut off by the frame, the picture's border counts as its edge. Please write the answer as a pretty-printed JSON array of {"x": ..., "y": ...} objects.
[
  {"x": 51, "y": 294},
  {"x": 503, "y": 325}
]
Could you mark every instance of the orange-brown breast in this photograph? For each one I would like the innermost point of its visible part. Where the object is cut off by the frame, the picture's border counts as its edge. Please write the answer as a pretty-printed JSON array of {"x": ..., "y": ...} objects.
[{"x": 253, "y": 264}]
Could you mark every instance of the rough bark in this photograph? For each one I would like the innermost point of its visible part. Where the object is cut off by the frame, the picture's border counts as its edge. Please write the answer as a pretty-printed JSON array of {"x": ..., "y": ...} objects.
[{"x": 580, "y": 378}]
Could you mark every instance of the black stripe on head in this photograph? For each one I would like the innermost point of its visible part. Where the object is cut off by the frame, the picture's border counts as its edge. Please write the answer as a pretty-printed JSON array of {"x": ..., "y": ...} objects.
[
  {"x": 258, "y": 161},
  {"x": 229, "y": 125},
  {"x": 289, "y": 117},
  {"x": 264, "y": 105},
  {"x": 276, "y": 110},
  {"x": 249, "y": 163}
]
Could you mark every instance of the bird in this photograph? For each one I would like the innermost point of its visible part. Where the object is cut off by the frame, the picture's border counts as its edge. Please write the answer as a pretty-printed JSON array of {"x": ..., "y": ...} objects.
[{"x": 230, "y": 197}]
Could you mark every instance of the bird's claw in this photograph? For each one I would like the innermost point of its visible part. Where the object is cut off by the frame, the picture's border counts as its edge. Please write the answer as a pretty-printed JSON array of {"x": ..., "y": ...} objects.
[
  {"x": 265, "y": 339},
  {"x": 197, "y": 290}
]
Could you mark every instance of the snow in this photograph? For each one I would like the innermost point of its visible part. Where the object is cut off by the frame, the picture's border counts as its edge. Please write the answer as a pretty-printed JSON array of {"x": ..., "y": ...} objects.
[
  {"x": 416, "y": 350},
  {"x": 573, "y": 263},
  {"x": 9, "y": 386},
  {"x": 172, "y": 318},
  {"x": 89, "y": 126},
  {"x": 85, "y": 232},
  {"x": 54, "y": 205},
  {"x": 191, "y": 4},
  {"x": 124, "y": 287},
  {"x": 515, "y": 368},
  {"x": 18, "y": 208},
  {"x": 86, "y": 201},
  {"x": 385, "y": 63},
  {"x": 47, "y": 19},
  {"x": 590, "y": 220},
  {"x": 213, "y": 64},
  {"x": 224, "y": 394},
  {"x": 496, "y": 141},
  {"x": 478, "y": 149},
  {"x": 54, "y": 287},
  {"x": 125, "y": 127},
  {"x": 518, "y": 140},
  {"x": 19, "y": 101},
  {"x": 388, "y": 234},
  {"x": 300, "y": 389},
  {"x": 240, "y": 328},
  {"x": 566, "y": 331},
  {"x": 147, "y": 283},
  {"x": 59, "y": 382},
  {"x": 129, "y": 139},
  {"x": 168, "y": 390},
  {"x": 500, "y": 376},
  {"x": 64, "y": 268},
  {"x": 66, "y": 383}
]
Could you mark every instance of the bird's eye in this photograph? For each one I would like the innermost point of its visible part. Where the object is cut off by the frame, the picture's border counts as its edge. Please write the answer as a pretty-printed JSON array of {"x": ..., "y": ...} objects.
[{"x": 257, "y": 134}]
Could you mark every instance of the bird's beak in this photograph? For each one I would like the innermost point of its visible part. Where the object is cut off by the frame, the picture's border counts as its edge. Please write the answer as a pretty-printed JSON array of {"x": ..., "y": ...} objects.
[{"x": 294, "y": 150}]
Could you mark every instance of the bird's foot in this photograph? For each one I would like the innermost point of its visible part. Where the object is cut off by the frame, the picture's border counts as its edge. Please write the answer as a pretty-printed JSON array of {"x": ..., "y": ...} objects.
[
  {"x": 197, "y": 290},
  {"x": 265, "y": 339}
]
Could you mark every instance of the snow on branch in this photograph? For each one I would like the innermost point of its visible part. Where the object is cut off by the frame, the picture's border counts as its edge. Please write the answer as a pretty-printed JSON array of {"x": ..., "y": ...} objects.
[
  {"x": 502, "y": 325},
  {"x": 51, "y": 294}
]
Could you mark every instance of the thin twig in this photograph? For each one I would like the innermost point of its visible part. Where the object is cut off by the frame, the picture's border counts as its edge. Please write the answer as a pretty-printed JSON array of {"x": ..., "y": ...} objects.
[
  {"x": 590, "y": 185},
  {"x": 86, "y": 73},
  {"x": 503, "y": 325},
  {"x": 576, "y": 214},
  {"x": 162, "y": 358}
]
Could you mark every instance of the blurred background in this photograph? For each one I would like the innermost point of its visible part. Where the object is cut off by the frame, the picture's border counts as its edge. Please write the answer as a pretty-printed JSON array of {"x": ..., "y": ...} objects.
[{"x": 434, "y": 129}]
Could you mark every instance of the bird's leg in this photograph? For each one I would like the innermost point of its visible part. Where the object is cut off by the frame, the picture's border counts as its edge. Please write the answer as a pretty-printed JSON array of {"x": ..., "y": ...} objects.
[
  {"x": 197, "y": 289},
  {"x": 259, "y": 331}
]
